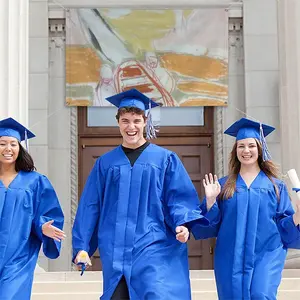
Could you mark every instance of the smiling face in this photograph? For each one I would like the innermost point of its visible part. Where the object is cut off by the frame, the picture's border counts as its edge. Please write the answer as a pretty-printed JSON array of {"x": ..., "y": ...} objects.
[
  {"x": 9, "y": 150},
  {"x": 131, "y": 128},
  {"x": 247, "y": 151}
]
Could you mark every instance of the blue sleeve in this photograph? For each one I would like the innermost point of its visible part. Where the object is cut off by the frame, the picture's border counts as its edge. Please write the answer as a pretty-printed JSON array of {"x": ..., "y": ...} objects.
[
  {"x": 85, "y": 228},
  {"x": 210, "y": 228},
  {"x": 180, "y": 196},
  {"x": 290, "y": 233},
  {"x": 48, "y": 209}
]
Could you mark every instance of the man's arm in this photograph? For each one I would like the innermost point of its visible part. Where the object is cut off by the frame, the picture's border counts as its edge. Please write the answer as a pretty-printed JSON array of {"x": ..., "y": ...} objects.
[{"x": 85, "y": 229}]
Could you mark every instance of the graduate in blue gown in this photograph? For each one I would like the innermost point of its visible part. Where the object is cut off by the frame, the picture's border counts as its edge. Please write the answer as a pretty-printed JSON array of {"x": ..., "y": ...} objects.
[
  {"x": 30, "y": 214},
  {"x": 136, "y": 207},
  {"x": 251, "y": 215}
]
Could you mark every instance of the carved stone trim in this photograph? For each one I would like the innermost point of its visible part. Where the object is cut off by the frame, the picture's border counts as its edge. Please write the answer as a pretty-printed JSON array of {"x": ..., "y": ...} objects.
[
  {"x": 74, "y": 162},
  {"x": 219, "y": 153}
]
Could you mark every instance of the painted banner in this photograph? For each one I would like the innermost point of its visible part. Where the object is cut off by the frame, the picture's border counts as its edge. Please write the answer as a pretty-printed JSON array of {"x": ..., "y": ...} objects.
[{"x": 176, "y": 57}]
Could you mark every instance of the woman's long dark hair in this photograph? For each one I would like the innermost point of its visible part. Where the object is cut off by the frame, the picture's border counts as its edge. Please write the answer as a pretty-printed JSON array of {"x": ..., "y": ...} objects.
[{"x": 24, "y": 161}]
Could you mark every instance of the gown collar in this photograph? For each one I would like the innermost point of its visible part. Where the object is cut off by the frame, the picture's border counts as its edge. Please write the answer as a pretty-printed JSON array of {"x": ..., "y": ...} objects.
[
  {"x": 124, "y": 159},
  {"x": 256, "y": 183},
  {"x": 13, "y": 182}
]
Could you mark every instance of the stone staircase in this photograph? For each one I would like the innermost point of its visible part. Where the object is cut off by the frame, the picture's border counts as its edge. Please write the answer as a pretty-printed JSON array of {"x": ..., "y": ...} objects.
[{"x": 71, "y": 286}]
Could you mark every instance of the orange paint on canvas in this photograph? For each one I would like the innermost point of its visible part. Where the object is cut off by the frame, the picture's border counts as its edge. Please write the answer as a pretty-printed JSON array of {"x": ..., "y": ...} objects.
[
  {"x": 143, "y": 88},
  {"x": 82, "y": 65},
  {"x": 195, "y": 66},
  {"x": 73, "y": 102},
  {"x": 203, "y": 87},
  {"x": 131, "y": 72},
  {"x": 204, "y": 102}
]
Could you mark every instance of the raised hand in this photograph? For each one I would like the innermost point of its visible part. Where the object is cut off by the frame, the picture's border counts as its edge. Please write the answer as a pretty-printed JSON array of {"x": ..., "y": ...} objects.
[
  {"x": 182, "y": 234},
  {"x": 53, "y": 232},
  {"x": 212, "y": 189}
]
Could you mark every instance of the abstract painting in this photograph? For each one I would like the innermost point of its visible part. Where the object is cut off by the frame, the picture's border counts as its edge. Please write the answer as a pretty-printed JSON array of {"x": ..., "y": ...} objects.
[{"x": 177, "y": 57}]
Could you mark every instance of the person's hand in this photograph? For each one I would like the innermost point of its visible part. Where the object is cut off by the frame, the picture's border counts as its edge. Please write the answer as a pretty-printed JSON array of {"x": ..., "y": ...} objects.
[
  {"x": 83, "y": 257},
  {"x": 296, "y": 216},
  {"x": 212, "y": 189},
  {"x": 182, "y": 234},
  {"x": 53, "y": 232}
]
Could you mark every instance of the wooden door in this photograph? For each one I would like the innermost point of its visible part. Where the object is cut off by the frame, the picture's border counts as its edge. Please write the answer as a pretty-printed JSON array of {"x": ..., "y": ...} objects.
[
  {"x": 196, "y": 160},
  {"x": 194, "y": 147}
]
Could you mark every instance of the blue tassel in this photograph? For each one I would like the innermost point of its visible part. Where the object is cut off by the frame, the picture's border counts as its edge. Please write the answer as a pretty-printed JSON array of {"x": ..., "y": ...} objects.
[
  {"x": 265, "y": 152},
  {"x": 296, "y": 190},
  {"x": 83, "y": 267},
  {"x": 150, "y": 127}
]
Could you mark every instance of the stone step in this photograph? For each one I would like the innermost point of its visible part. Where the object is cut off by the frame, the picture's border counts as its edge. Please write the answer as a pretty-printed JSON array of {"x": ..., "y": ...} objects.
[
  {"x": 72, "y": 286},
  {"x": 197, "y": 284},
  {"x": 96, "y": 286},
  {"x": 97, "y": 276},
  {"x": 207, "y": 295}
]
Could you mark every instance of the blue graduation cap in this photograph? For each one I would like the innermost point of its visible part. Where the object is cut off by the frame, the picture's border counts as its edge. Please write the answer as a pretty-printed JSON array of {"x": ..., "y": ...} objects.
[
  {"x": 12, "y": 128},
  {"x": 245, "y": 128},
  {"x": 134, "y": 98}
]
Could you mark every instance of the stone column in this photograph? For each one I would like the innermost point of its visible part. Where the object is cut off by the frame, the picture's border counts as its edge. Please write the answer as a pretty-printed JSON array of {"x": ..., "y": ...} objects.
[
  {"x": 3, "y": 58},
  {"x": 289, "y": 58},
  {"x": 289, "y": 64},
  {"x": 262, "y": 67},
  {"x": 38, "y": 94},
  {"x": 14, "y": 60}
]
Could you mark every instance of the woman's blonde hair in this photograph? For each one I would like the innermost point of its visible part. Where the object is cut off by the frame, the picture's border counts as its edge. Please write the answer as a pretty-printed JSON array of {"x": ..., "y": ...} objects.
[{"x": 268, "y": 167}]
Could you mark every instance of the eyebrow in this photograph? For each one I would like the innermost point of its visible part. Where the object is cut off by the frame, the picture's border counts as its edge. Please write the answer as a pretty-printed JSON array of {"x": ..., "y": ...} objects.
[
  {"x": 250, "y": 144},
  {"x": 7, "y": 141},
  {"x": 125, "y": 119}
]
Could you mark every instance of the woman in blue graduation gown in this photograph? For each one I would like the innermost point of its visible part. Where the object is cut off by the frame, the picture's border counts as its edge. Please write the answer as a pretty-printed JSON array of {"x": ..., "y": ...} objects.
[
  {"x": 30, "y": 214},
  {"x": 131, "y": 211},
  {"x": 251, "y": 215}
]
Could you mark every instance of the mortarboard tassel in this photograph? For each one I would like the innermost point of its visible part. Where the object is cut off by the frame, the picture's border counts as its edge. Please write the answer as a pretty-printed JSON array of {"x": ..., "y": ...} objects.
[
  {"x": 26, "y": 140},
  {"x": 265, "y": 152},
  {"x": 83, "y": 267},
  {"x": 150, "y": 128}
]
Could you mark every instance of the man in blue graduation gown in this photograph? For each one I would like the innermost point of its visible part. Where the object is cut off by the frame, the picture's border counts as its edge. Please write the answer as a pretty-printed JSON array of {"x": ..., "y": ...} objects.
[{"x": 137, "y": 197}]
